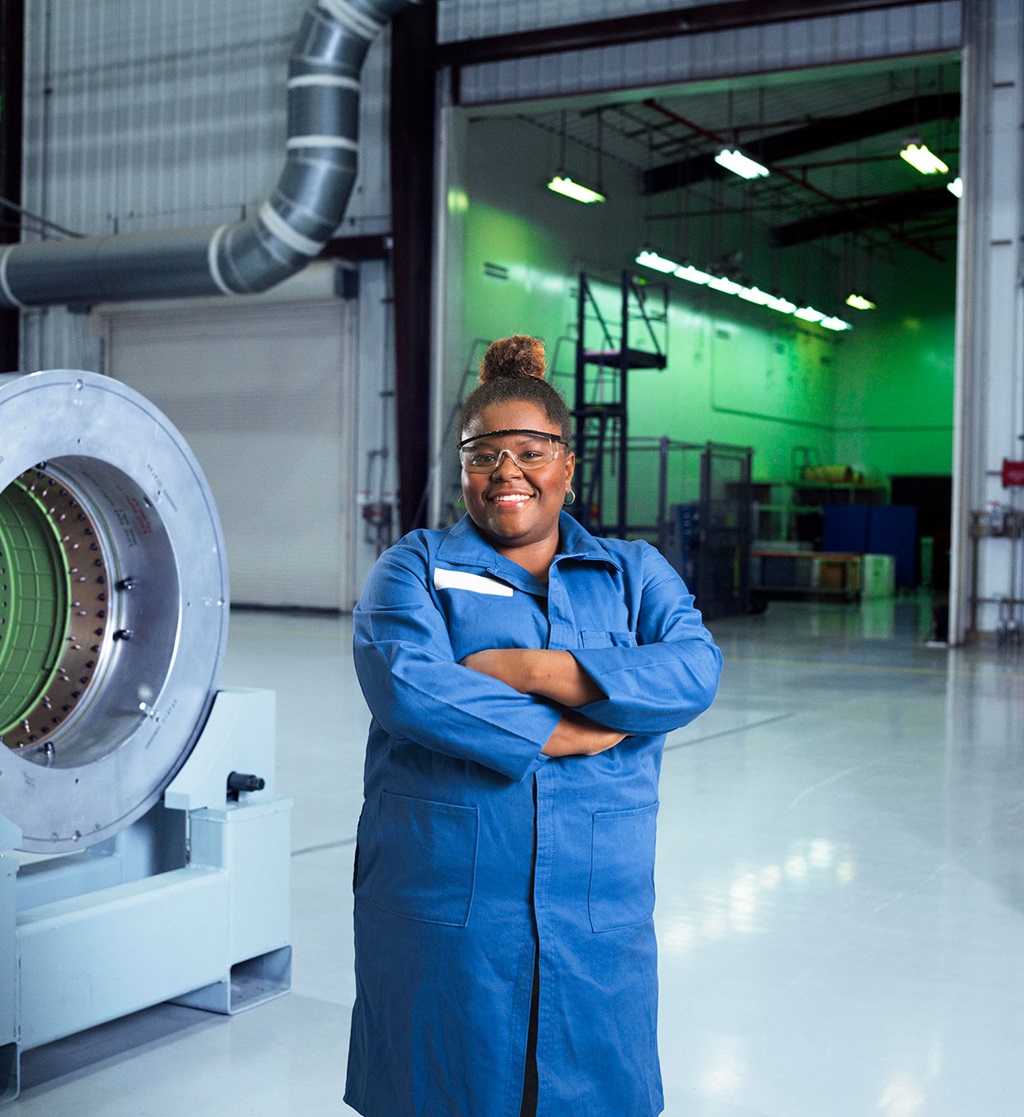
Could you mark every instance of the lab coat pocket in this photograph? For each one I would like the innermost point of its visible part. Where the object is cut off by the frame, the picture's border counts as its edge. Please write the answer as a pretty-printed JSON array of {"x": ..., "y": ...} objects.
[
  {"x": 596, "y": 638},
  {"x": 427, "y": 869},
  {"x": 622, "y": 868}
]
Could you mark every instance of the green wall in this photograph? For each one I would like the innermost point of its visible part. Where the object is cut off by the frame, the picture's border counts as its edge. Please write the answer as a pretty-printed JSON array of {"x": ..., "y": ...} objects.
[
  {"x": 894, "y": 404},
  {"x": 515, "y": 278}
]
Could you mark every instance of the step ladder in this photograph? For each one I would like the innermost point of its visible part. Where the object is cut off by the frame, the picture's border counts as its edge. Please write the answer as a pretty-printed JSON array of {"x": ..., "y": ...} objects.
[{"x": 605, "y": 358}]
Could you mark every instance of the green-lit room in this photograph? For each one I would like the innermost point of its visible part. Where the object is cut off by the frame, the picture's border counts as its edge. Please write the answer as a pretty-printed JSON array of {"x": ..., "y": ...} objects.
[{"x": 836, "y": 229}]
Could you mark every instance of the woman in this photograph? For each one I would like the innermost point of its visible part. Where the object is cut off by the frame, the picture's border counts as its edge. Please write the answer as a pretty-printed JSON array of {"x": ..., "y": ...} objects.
[{"x": 521, "y": 675}]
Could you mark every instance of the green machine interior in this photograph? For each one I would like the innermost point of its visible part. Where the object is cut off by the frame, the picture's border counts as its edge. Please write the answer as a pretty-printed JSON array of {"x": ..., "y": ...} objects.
[{"x": 52, "y": 606}]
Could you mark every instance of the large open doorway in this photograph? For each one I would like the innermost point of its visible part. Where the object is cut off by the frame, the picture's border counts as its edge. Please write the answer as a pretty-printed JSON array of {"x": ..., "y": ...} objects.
[{"x": 770, "y": 339}]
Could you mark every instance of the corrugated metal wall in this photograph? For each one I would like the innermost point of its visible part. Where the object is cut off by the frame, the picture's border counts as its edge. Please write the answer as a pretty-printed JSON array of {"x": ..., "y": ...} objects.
[
  {"x": 153, "y": 114},
  {"x": 825, "y": 41},
  {"x": 145, "y": 114},
  {"x": 472, "y": 19}
]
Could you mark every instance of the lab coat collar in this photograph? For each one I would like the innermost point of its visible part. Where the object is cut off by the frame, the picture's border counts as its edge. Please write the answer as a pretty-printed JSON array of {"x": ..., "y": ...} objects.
[
  {"x": 463, "y": 545},
  {"x": 578, "y": 543}
]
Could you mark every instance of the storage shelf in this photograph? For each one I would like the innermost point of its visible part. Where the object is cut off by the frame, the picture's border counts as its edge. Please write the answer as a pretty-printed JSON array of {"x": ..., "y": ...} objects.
[
  {"x": 790, "y": 511},
  {"x": 806, "y": 573}
]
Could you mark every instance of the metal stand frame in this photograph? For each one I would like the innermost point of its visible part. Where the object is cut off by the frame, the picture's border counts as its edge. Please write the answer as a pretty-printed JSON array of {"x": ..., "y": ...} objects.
[
  {"x": 602, "y": 435},
  {"x": 189, "y": 904}
]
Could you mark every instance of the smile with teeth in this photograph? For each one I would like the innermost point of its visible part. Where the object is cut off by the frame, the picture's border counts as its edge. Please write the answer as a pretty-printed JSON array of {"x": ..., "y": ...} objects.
[{"x": 510, "y": 500}]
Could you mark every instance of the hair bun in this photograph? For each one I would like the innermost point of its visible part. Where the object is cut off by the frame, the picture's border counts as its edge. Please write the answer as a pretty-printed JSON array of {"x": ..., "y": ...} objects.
[{"x": 513, "y": 357}]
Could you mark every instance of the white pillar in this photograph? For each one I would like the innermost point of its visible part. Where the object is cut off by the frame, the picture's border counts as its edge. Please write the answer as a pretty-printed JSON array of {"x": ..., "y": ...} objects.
[{"x": 989, "y": 400}]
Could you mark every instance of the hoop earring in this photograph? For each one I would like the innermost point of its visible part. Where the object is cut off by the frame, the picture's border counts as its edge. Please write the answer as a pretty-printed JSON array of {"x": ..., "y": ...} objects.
[{"x": 569, "y": 498}]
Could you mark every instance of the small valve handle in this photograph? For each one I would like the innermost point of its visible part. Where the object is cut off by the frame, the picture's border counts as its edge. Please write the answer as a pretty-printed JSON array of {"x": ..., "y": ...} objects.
[{"x": 245, "y": 781}]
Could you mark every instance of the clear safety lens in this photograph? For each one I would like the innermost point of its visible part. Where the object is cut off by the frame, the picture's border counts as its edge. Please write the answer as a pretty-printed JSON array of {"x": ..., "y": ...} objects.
[{"x": 527, "y": 450}]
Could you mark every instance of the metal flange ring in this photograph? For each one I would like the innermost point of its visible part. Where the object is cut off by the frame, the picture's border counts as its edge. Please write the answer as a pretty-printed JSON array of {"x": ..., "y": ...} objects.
[{"x": 113, "y": 606}]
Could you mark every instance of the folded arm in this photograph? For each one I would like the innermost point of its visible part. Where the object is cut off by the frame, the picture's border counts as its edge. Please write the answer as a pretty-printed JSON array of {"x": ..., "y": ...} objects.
[
  {"x": 541, "y": 671},
  {"x": 418, "y": 692},
  {"x": 658, "y": 683},
  {"x": 557, "y": 676}
]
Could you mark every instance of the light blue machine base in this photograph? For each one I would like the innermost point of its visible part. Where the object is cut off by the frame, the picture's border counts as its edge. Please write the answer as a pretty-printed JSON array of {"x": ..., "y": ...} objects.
[{"x": 189, "y": 904}]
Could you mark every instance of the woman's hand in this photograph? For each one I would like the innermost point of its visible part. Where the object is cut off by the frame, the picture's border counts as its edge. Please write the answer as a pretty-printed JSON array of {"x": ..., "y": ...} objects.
[
  {"x": 576, "y": 735},
  {"x": 540, "y": 671}
]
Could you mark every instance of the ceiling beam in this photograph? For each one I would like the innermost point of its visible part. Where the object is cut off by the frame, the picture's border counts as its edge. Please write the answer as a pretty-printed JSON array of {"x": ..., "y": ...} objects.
[
  {"x": 894, "y": 210},
  {"x": 837, "y": 203},
  {"x": 695, "y": 20},
  {"x": 820, "y": 135}
]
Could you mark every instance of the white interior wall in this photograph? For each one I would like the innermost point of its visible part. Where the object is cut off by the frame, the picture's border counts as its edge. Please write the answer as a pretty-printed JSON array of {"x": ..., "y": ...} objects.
[{"x": 264, "y": 395}]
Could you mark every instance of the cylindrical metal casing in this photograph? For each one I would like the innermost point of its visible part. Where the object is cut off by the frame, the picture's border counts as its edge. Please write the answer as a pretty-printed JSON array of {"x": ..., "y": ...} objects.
[{"x": 138, "y": 558}]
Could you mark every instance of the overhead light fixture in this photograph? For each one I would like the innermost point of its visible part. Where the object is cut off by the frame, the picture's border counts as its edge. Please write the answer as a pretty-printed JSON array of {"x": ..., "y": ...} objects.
[
  {"x": 756, "y": 296},
  {"x": 956, "y": 187},
  {"x": 694, "y": 275},
  {"x": 923, "y": 160},
  {"x": 834, "y": 323},
  {"x": 860, "y": 302},
  {"x": 650, "y": 259},
  {"x": 562, "y": 184},
  {"x": 780, "y": 304},
  {"x": 725, "y": 285},
  {"x": 740, "y": 164}
]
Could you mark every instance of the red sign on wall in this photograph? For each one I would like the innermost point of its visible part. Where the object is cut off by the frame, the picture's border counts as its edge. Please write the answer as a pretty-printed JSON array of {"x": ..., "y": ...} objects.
[{"x": 1013, "y": 473}]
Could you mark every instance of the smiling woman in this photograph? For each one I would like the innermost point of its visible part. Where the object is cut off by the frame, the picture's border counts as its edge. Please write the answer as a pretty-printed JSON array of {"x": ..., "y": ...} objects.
[
  {"x": 522, "y": 675},
  {"x": 515, "y": 415}
]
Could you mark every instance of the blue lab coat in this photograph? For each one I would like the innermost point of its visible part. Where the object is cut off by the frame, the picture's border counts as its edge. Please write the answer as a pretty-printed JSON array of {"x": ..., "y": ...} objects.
[{"x": 475, "y": 851}]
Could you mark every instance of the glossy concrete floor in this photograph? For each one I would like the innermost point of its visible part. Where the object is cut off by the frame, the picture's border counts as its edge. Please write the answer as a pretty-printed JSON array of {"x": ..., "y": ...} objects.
[{"x": 840, "y": 888}]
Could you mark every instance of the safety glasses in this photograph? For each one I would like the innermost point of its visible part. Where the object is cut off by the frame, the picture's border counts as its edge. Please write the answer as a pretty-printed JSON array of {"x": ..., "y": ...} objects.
[{"x": 528, "y": 449}]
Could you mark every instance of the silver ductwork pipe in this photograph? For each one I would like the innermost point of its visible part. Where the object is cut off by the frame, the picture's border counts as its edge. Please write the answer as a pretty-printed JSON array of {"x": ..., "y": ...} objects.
[{"x": 279, "y": 239}]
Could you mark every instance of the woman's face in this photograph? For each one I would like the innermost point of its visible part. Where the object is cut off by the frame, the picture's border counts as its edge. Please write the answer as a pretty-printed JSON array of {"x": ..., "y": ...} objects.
[{"x": 516, "y": 507}]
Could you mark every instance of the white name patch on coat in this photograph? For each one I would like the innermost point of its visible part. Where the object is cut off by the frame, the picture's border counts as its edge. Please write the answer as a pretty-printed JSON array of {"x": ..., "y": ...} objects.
[{"x": 475, "y": 583}]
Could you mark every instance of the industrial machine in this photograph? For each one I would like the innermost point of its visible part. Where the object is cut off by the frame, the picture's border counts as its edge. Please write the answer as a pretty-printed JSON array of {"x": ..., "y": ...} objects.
[{"x": 144, "y": 854}]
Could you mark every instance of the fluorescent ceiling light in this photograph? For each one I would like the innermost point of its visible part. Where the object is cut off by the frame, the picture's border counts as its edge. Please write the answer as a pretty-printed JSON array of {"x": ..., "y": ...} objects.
[
  {"x": 756, "y": 295},
  {"x": 652, "y": 260},
  {"x": 956, "y": 187},
  {"x": 923, "y": 160},
  {"x": 688, "y": 272},
  {"x": 740, "y": 164},
  {"x": 693, "y": 275},
  {"x": 726, "y": 286},
  {"x": 859, "y": 302},
  {"x": 575, "y": 190}
]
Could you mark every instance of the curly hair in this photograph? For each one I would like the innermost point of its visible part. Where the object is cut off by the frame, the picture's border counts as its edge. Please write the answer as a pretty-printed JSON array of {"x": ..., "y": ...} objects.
[{"x": 512, "y": 370}]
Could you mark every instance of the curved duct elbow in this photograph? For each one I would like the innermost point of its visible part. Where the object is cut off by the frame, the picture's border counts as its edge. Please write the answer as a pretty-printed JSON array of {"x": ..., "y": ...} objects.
[{"x": 279, "y": 239}]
